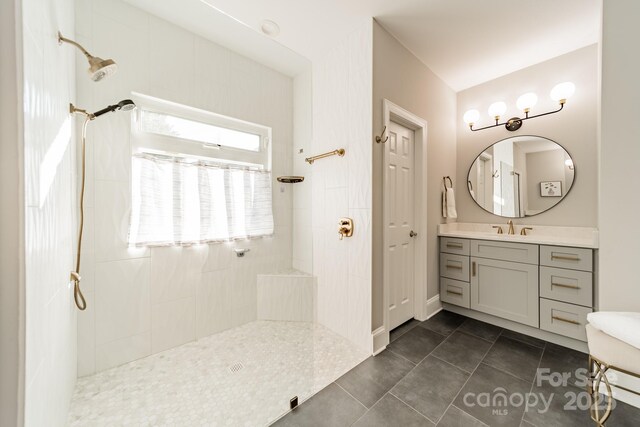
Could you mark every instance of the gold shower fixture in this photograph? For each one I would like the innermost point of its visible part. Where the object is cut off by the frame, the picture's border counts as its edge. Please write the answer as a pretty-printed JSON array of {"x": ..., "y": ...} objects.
[{"x": 98, "y": 68}]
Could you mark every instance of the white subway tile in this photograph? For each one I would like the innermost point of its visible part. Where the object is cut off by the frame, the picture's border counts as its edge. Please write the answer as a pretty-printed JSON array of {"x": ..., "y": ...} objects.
[
  {"x": 176, "y": 271},
  {"x": 87, "y": 337},
  {"x": 122, "y": 299},
  {"x": 121, "y": 351},
  {"x": 113, "y": 210},
  {"x": 173, "y": 324}
]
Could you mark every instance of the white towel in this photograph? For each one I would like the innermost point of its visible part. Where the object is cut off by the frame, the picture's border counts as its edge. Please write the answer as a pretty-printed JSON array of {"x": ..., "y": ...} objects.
[
  {"x": 450, "y": 204},
  {"x": 444, "y": 203},
  {"x": 620, "y": 325}
]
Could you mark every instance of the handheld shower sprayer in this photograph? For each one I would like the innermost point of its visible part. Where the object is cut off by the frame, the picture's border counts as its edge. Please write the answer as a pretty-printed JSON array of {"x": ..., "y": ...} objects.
[
  {"x": 98, "y": 68},
  {"x": 124, "y": 105}
]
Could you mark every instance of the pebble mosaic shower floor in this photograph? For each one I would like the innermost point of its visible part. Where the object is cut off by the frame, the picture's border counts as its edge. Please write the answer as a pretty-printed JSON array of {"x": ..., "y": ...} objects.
[{"x": 241, "y": 377}]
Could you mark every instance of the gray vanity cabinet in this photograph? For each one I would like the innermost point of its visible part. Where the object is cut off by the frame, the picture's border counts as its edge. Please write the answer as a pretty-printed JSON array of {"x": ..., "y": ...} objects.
[
  {"x": 545, "y": 287},
  {"x": 505, "y": 289}
]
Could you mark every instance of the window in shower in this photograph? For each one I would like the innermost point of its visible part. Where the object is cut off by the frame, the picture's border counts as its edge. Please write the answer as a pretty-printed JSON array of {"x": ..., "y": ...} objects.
[{"x": 197, "y": 176}]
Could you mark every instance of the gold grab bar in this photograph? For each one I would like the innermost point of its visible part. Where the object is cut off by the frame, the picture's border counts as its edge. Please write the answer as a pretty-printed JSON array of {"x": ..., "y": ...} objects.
[
  {"x": 339, "y": 152},
  {"x": 562, "y": 319}
]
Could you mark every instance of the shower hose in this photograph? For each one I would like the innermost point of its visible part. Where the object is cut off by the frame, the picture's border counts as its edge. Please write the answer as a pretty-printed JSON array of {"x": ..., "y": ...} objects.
[{"x": 81, "y": 303}]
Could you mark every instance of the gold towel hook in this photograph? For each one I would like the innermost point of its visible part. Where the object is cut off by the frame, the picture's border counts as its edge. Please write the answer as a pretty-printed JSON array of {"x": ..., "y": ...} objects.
[{"x": 379, "y": 138}]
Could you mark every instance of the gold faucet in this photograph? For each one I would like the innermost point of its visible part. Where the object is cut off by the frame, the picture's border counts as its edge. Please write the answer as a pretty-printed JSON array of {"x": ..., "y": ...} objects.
[{"x": 511, "y": 230}]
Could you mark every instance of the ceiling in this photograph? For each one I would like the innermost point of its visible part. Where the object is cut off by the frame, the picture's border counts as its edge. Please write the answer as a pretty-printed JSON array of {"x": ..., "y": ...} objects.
[
  {"x": 464, "y": 42},
  {"x": 201, "y": 18}
]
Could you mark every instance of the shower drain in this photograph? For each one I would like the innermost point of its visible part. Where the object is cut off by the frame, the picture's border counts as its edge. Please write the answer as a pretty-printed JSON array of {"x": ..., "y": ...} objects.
[{"x": 236, "y": 367}]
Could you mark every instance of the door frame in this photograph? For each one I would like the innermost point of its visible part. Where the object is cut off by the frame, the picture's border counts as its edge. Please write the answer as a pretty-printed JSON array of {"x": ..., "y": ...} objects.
[{"x": 394, "y": 113}]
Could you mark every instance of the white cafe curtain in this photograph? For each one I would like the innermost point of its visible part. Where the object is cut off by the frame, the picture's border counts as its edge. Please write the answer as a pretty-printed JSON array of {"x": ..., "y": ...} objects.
[{"x": 180, "y": 203}]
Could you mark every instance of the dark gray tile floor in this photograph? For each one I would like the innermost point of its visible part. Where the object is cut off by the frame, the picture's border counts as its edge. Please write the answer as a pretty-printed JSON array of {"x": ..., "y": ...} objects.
[{"x": 451, "y": 371}]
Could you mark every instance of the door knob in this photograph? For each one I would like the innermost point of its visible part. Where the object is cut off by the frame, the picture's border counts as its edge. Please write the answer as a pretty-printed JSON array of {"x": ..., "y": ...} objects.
[{"x": 413, "y": 234}]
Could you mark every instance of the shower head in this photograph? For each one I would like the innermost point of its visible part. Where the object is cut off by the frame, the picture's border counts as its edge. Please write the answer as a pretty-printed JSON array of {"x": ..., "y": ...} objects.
[
  {"x": 101, "y": 68},
  {"x": 98, "y": 68},
  {"x": 124, "y": 105}
]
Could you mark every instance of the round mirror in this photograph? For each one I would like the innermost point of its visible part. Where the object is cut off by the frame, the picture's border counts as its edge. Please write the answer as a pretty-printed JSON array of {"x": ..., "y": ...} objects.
[{"x": 521, "y": 176}]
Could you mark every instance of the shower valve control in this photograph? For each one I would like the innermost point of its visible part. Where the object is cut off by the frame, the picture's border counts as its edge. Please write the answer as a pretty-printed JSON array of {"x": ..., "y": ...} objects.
[{"x": 346, "y": 228}]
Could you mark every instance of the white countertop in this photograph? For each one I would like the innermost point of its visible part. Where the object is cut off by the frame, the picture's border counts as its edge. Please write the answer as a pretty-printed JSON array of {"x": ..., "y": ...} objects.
[{"x": 578, "y": 237}]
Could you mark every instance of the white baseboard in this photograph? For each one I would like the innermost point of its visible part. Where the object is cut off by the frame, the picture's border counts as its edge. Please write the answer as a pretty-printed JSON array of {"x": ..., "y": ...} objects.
[
  {"x": 434, "y": 306},
  {"x": 381, "y": 335},
  {"x": 380, "y": 340}
]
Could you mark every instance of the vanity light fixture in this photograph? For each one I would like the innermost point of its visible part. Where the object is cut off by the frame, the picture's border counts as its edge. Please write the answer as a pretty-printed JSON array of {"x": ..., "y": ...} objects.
[{"x": 560, "y": 93}]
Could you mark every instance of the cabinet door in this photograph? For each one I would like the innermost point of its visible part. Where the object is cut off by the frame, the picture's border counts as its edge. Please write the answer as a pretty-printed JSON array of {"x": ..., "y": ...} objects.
[{"x": 505, "y": 289}]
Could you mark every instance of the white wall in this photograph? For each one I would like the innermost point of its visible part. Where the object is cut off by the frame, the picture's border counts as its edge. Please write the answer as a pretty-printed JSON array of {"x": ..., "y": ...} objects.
[
  {"x": 574, "y": 128},
  {"x": 401, "y": 78},
  {"x": 11, "y": 219},
  {"x": 49, "y": 86},
  {"x": 342, "y": 87},
  {"x": 148, "y": 300},
  {"x": 619, "y": 155}
]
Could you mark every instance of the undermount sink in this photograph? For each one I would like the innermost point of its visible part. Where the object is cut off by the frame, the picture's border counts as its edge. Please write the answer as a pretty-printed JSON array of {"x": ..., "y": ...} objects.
[{"x": 581, "y": 237}]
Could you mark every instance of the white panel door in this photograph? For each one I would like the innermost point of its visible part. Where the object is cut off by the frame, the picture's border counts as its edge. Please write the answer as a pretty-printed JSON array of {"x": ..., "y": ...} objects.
[{"x": 399, "y": 200}]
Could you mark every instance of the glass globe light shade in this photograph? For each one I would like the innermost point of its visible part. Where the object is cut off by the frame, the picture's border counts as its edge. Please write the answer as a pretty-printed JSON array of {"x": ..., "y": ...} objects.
[
  {"x": 562, "y": 91},
  {"x": 497, "y": 109},
  {"x": 471, "y": 116},
  {"x": 527, "y": 101}
]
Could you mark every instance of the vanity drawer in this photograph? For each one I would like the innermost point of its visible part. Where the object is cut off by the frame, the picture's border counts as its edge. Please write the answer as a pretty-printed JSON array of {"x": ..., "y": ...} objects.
[
  {"x": 454, "y": 292},
  {"x": 563, "y": 257},
  {"x": 454, "y": 246},
  {"x": 454, "y": 267},
  {"x": 572, "y": 286},
  {"x": 505, "y": 251},
  {"x": 564, "y": 319}
]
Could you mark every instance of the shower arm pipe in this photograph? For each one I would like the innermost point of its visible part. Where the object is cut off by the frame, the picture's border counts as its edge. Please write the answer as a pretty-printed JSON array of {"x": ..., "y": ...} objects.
[
  {"x": 339, "y": 152},
  {"x": 62, "y": 39}
]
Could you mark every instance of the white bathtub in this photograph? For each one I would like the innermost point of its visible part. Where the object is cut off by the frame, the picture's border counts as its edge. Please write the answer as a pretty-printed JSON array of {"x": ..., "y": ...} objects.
[{"x": 287, "y": 296}]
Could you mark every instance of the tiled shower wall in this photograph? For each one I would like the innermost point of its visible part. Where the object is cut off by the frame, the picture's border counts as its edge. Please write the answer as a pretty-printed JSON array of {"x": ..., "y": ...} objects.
[
  {"x": 144, "y": 301},
  {"x": 342, "y": 103},
  {"x": 49, "y": 86},
  {"x": 302, "y": 148}
]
